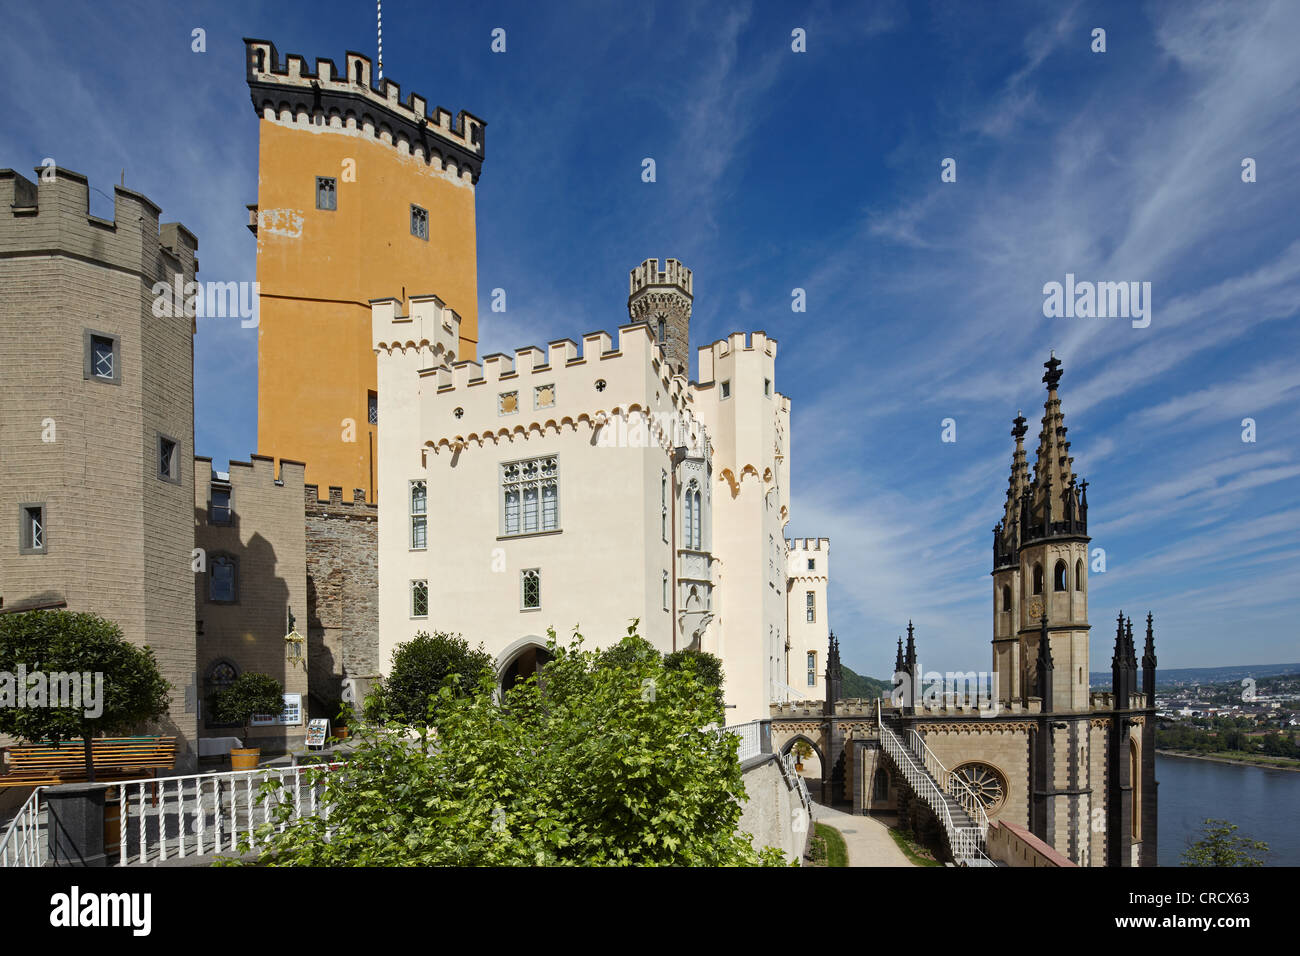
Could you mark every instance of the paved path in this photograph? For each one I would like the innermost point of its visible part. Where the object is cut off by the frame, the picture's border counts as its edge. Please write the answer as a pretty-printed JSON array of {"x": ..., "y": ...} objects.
[{"x": 868, "y": 839}]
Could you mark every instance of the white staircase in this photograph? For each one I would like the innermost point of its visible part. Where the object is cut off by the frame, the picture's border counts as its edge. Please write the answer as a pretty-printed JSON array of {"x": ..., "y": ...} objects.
[{"x": 953, "y": 803}]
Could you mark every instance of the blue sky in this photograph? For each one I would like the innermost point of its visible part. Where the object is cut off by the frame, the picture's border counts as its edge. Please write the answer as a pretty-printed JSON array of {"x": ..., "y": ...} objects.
[{"x": 821, "y": 171}]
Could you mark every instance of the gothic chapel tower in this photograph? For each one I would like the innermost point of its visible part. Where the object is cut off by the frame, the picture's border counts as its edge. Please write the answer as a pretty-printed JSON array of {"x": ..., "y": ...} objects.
[{"x": 1040, "y": 567}]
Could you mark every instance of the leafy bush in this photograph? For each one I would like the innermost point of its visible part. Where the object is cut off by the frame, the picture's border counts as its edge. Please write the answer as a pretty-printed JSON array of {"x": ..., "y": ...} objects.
[
  {"x": 1219, "y": 846},
  {"x": 420, "y": 669},
  {"x": 248, "y": 695},
  {"x": 134, "y": 691},
  {"x": 579, "y": 768}
]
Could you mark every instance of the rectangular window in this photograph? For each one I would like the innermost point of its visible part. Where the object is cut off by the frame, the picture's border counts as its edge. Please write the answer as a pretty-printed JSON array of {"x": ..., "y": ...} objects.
[
  {"x": 103, "y": 357},
  {"x": 219, "y": 511},
  {"x": 507, "y": 403},
  {"x": 31, "y": 529},
  {"x": 326, "y": 193},
  {"x": 530, "y": 589},
  {"x": 372, "y": 408},
  {"x": 419, "y": 515},
  {"x": 544, "y": 396},
  {"x": 812, "y": 564},
  {"x": 665, "y": 590},
  {"x": 222, "y": 579},
  {"x": 169, "y": 466},
  {"x": 812, "y": 668},
  {"x": 810, "y": 603},
  {"x": 726, "y": 389},
  {"x": 419, "y": 222},
  {"x": 419, "y": 599},
  {"x": 530, "y": 496}
]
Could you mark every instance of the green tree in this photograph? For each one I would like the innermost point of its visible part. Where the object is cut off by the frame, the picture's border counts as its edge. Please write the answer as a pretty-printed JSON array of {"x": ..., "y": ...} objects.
[
  {"x": 247, "y": 696},
  {"x": 51, "y": 642},
  {"x": 706, "y": 667},
  {"x": 578, "y": 767},
  {"x": 419, "y": 669},
  {"x": 1221, "y": 847}
]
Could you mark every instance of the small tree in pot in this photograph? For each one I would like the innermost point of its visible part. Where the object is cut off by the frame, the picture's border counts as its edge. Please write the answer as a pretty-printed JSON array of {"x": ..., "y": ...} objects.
[{"x": 249, "y": 695}]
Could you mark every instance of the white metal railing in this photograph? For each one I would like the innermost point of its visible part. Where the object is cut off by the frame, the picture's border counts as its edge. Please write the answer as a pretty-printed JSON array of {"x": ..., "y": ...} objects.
[
  {"x": 167, "y": 818},
  {"x": 751, "y": 738},
  {"x": 951, "y": 784},
  {"x": 796, "y": 781},
  {"x": 25, "y": 841},
  {"x": 965, "y": 842}
]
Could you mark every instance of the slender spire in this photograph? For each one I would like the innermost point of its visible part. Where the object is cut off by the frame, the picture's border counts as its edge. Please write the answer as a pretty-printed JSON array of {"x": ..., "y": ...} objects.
[
  {"x": 898, "y": 658},
  {"x": 1119, "y": 667},
  {"x": 1054, "y": 468},
  {"x": 1149, "y": 665},
  {"x": 910, "y": 659}
]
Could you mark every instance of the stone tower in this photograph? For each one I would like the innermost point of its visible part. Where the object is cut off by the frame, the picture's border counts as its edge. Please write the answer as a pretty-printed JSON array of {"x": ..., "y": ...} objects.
[
  {"x": 361, "y": 194},
  {"x": 662, "y": 300},
  {"x": 97, "y": 419},
  {"x": 1040, "y": 566}
]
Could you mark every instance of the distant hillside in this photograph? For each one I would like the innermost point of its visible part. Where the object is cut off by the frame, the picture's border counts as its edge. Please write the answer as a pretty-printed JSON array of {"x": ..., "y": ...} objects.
[
  {"x": 1182, "y": 676},
  {"x": 855, "y": 685}
]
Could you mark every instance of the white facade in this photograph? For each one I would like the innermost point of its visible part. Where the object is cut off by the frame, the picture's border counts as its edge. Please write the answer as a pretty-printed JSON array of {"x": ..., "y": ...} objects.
[
  {"x": 582, "y": 488},
  {"x": 808, "y": 569}
]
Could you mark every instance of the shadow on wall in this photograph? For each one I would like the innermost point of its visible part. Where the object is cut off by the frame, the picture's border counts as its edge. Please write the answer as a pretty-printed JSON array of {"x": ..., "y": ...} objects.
[{"x": 242, "y": 608}]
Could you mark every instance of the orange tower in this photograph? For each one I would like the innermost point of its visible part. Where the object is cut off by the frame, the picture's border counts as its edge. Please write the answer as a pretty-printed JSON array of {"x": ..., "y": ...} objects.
[{"x": 359, "y": 195}]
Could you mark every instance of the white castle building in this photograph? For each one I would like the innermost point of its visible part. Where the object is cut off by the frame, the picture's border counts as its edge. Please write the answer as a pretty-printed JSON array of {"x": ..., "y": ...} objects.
[{"x": 584, "y": 486}]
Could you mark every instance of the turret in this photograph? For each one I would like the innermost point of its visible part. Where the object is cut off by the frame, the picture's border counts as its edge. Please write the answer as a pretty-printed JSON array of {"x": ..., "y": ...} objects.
[{"x": 662, "y": 300}]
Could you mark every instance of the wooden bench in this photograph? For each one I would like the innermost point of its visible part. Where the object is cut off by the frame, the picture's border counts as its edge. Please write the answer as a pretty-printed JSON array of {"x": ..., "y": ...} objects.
[{"x": 114, "y": 758}]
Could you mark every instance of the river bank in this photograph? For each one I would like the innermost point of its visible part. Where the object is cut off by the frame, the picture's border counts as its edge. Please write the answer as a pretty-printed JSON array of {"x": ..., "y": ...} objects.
[{"x": 1241, "y": 762}]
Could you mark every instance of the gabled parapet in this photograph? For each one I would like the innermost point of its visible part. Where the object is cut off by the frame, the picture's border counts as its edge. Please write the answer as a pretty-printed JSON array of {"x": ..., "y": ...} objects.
[{"x": 292, "y": 93}]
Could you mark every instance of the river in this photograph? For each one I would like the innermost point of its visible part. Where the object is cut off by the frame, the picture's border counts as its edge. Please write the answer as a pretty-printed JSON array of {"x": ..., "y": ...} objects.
[{"x": 1265, "y": 805}]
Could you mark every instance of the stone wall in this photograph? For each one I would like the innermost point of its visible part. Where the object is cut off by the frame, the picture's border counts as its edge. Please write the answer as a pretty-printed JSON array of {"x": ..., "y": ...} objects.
[
  {"x": 342, "y": 593},
  {"x": 773, "y": 815},
  {"x": 263, "y": 535}
]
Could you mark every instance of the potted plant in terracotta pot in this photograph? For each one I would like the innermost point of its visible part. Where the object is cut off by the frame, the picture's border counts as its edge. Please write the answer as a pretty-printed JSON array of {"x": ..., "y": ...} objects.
[
  {"x": 802, "y": 751},
  {"x": 342, "y": 718},
  {"x": 249, "y": 695}
]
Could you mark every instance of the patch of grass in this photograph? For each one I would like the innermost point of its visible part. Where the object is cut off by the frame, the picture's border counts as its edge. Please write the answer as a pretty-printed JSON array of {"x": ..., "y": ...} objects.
[
  {"x": 917, "y": 854},
  {"x": 827, "y": 846}
]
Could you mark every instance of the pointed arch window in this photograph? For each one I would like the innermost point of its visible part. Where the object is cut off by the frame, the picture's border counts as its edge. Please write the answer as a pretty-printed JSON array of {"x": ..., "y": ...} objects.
[
  {"x": 1038, "y": 579},
  {"x": 1078, "y": 575},
  {"x": 662, "y": 328},
  {"x": 1059, "y": 582},
  {"x": 694, "y": 518}
]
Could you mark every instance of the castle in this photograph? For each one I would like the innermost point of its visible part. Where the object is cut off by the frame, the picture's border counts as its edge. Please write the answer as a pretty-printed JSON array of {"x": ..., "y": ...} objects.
[
  {"x": 577, "y": 486},
  {"x": 587, "y": 485}
]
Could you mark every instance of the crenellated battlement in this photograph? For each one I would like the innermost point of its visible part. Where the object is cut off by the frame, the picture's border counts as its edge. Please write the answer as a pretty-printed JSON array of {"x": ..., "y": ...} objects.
[
  {"x": 61, "y": 197},
  {"x": 603, "y": 378},
  {"x": 334, "y": 501},
  {"x": 720, "y": 357},
  {"x": 428, "y": 324},
  {"x": 259, "y": 469},
  {"x": 809, "y": 544},
  {"x": 648, "y": 274},
  {"x": 293, "y": 94}
]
